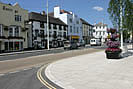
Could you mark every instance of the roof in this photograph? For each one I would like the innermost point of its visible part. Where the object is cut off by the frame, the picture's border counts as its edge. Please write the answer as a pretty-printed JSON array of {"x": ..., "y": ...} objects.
[
  {"x": 43, "y": 18},
  {"x": 51, "y": 14},
  {"x": 61, "y": 11},
  {"x": 101, "y": 24},
  {"x": 85, "y": 22}
]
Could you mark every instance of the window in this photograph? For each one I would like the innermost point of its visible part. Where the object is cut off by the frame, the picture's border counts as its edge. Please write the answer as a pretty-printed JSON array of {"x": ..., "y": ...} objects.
[
  {"x": 36, "y": 32},
  {"x": 49, "y": 26},
  {"x": 18, "y": 18},
  {"x": 100, "y": 33},
  {"x": 70, "y": 20},
  {"x": 77, "y": 30},
  {"x": 54, "y": 26},
  {"x": 100, "y": 27},
  {"x": 96, "y": 33},
  {"x": 10, "y": 31},
  {"x": 70, "y": 29},
  {"x": 64, "y": 35},
  {"x": 104, "y": 33},
  {"x": 50, "y": 33},
  {"x": 41, "y": 24},
  {"x": 65, "y": 27},
  {"x": 17, "y": 31},
  {"x": 41, "y": 33},
  {"x": 60, "y": 27},
  {"x": 74, "y": 29},
  {"x": 55, "y": 34},
  {"x": 77, "y": 22},
  {"x": 6, "y": 46},
  {"x": 60, "y": 34}
]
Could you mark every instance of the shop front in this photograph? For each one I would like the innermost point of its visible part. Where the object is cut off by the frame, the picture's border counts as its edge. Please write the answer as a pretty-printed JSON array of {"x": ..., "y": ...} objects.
[
  {"x": 75, "y": 38},
  {"x": 13, "y": 45}
]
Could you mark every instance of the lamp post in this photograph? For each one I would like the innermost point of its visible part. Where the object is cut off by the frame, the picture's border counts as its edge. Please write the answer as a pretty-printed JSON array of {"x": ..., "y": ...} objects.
[
  {"x": 121, "y": 30},
  {"x": 47, "y": 27}
]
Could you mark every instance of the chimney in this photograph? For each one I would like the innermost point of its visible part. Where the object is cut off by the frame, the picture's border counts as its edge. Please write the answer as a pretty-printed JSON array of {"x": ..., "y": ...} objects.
[
  {"x": 56, "y": 11},
  {"x": 71, "y": 12}
]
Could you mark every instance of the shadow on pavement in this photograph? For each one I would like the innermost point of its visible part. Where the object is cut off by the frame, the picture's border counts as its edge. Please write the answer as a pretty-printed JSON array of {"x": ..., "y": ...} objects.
[{"x": 127, "y": 54}]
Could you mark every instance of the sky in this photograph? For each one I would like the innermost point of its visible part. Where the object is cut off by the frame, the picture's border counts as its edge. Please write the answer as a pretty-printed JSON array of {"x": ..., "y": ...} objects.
[{"x": 93, "y": 11}]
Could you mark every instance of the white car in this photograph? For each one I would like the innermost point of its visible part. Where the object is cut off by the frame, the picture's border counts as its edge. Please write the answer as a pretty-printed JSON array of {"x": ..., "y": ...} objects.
[{"x": 95, "y": 42}]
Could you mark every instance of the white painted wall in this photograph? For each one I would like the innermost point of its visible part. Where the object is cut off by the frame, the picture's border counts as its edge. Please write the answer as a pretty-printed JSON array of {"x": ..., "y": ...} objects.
[
  {"x": 100, "y": 32},
  {"x": 65, "y": 17}
]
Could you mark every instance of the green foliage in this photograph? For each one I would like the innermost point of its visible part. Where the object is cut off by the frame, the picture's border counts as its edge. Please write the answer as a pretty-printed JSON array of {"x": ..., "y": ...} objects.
[{"x": 127, "y": 9}]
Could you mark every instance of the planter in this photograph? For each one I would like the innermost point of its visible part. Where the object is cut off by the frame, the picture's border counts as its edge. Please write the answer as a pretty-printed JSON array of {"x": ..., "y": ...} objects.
[{"x": 113, "y": 55}]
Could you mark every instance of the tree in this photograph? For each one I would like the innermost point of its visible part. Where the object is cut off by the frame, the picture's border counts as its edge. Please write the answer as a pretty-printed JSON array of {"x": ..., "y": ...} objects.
[
  {"x": 114, "y": 10},
  {"x": 129, "y": 17}
]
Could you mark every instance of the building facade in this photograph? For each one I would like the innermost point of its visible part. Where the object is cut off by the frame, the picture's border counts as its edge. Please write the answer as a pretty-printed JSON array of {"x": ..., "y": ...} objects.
[
  {"x": 87, "y": 31},
  {"x": 100, "y": 31},
  {"x": 38, "y": 31},
  {"x": 13, "y": 32},
  {"x": 73, "y": 22}
]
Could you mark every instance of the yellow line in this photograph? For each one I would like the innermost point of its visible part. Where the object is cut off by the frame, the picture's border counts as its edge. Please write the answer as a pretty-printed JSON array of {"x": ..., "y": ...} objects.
[{"x": 39, "y": 76}]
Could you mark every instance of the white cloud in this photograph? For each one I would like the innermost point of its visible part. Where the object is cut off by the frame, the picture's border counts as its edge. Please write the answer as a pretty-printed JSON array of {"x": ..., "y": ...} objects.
[{"x": 98, "y": 8}]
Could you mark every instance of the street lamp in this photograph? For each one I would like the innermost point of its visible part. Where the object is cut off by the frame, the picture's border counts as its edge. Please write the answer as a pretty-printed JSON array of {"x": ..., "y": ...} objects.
[
  {"x": 121, "y": 13},
  {"x": 47, "y": 27}
]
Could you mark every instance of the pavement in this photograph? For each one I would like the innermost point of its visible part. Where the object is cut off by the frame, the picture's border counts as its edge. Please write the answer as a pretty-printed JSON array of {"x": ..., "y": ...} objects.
[
  {"x": 30, "y": 51},
  {"x": 92, "y": 71}
]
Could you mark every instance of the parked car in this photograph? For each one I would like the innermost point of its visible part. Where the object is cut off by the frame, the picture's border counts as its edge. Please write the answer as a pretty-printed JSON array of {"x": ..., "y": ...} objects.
[
  {"x": 81, "y": 44},
  {"x": 95, "y": 42},
  {"x": 70, "y": 45}
]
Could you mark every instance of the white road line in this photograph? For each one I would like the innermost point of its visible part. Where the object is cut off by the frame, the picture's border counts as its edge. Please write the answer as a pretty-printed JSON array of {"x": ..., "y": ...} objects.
[
  {"x": 14, "y": 72},
  {"x": 27, "y": 69},
  {"x": 2, "y": 75}
]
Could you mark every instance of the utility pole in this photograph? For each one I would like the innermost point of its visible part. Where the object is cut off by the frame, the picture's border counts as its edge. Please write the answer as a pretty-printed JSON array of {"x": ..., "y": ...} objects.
[{"x": 47, "y": 27}]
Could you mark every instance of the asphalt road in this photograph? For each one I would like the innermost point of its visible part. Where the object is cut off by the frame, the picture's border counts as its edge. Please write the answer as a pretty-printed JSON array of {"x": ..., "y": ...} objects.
[
  {"x": 43, "y": 52},
  {"x": 26, "y": 78}
]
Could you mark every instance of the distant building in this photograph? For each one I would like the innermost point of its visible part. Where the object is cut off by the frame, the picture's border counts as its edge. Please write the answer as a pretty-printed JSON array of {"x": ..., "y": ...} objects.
[
  {"x": 73, "y": 22},
  {"x": 100, "y": 31},
  {"x": 87, "y": 31},
  {"x": 13, "y": 32},
  {"x": 38, "y": 31}
]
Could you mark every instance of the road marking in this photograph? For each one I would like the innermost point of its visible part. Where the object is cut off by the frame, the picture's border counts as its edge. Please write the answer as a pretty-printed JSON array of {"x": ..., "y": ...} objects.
[
  {"x": 2, "y": 74},
  {"x": 14, "y": 72},
  {"x": 27, "y": 69},
  {"x": 45, "y": 83}
]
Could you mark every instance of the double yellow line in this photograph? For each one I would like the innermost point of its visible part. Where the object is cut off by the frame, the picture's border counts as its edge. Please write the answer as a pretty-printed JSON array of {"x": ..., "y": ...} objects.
[{"x": 44, "y": 82}]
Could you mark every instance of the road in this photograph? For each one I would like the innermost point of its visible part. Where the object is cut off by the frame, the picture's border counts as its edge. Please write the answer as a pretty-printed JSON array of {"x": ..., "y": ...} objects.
[
  {"x": 43, "y": 52},
  {"x": 22, "y": 74}
]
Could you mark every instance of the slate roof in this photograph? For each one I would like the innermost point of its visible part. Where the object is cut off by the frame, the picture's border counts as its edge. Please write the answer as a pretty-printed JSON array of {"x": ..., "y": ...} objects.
[
  {"x": 43, "y": 18},
  {"x": 85, "y": 22}
]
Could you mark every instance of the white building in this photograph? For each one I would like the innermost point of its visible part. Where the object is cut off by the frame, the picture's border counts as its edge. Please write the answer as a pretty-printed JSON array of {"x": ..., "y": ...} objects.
[
  {"x": 73, "y": 22},
  {"x": 100, "y": 31},
  {"x": 38, "y": 31}
]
